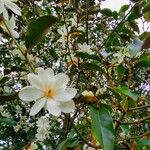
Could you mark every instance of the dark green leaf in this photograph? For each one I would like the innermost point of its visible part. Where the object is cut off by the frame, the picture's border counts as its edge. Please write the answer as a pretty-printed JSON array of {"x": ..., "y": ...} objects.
[
  {"x": 87, "y": 56},
  {"x": 92, "y": 66},
  {"x": 102, "y": 127},
  {"x": 106, "y": 12},
  {"x": 124, "y": 8},
  {"x": 37, "y": 30},
  {"x": 144, "y": 61},
  {"x": 69, "y": 142}
]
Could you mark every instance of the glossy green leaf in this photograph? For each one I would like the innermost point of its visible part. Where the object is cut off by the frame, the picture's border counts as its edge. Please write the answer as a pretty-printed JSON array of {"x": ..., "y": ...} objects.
[
  {"x": 102, "y": 127},
  {"x": 37, "y": 29},
  {"x": 126, "y": 91}
]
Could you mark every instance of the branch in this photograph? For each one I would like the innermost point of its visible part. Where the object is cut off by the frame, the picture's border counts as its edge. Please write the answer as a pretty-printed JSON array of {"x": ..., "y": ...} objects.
[
  {"x": 139, "y": 107},
  {"x": 134, "y": 137},
  {"x": 115, "y": 29},
  {"x": 137, "y": 122}
]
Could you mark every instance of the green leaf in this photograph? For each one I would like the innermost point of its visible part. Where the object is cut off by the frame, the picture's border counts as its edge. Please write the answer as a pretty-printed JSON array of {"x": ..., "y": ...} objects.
[
  {"x": 37, "y": 30},
  {"x": 124, "y": 8},
  {"x": 69, "y": 142},
  {"x": 92, "y": 66},
  {"x": 147, "y": 16},
  {"x": 102, "y": 127},
  {"x": 106, "y": 12},
  {"x": 146, "y": 8},
  {"x": 7, "y": 122},
  {"x": 144, "y": 61},
  {"x": 124, "y": 90},
  {"x": 87, "y": 56},
  {"x": 143, "y": 142}
]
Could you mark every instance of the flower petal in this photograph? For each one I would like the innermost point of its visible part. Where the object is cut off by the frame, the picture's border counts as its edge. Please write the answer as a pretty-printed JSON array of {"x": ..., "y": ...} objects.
[
  {"x": 35, "y": 81},
  {"x": 65, "y": 94},
  {"x": 30, "y": 93},
  {"x": 53, "y": 108},
  {"x": 67, "y": 107},
  {"x": 61, "y": 80},
  {"x": 37, "y": 106},
  {"x": 13, "y": 7},
  {"x": 46, "y": 76}
]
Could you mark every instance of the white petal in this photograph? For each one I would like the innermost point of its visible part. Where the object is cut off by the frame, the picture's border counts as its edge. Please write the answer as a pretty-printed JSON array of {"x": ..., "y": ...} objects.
[
  {"x": 13, "y": 7},
  {"x": 30, "y": 93},
  {"x": 61, "y": 80},
  {"x": 65, "y": 94},
  {"x": 37, "y": 106},
  {"x": 35, "y": 81},
  {"x": 67, "y": 107},
  {"x": 53, "y": 108}
]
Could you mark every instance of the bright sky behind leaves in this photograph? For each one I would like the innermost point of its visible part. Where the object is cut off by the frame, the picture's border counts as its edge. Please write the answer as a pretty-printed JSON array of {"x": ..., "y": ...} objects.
[{"x": 116, "y": 5}]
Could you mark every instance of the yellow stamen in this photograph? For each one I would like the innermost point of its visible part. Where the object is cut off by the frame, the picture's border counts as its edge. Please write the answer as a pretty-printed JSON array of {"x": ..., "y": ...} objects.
[{"x": 49, "y": 93}]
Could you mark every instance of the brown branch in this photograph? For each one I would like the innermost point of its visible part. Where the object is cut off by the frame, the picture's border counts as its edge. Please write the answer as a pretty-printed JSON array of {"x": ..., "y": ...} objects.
[
  {"x": 134, "y": 137},
  {"x": 137, "y": 122},
  {"x": 139, "y": 107}
]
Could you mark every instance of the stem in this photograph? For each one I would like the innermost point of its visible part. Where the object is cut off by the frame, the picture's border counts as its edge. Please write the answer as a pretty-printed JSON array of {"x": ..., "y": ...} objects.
[
  {"x": 139, "y": 107},
  {"x": 115, "y": 29},
  {"x": 18, "y": 46},
  {"x": 87, "y": 18},
  {"x": 134, "y": 137},
  {"x": 137, "y": 122}
]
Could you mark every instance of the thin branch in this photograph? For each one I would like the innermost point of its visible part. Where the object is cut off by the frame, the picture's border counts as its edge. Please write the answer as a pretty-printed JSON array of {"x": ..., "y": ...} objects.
[
  {"x": 139, "y": 107},
  {"x": 115, "y": 29},
  {"x": 87, "y": 25},
  {"x": 134, "y": 137},
  {"x": 18, "y": 46},
  {"x": 137, "y": 122}
]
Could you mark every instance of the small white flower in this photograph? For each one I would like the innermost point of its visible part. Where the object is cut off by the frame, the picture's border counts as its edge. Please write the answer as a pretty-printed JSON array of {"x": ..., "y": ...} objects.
[
  {"x": 9, "y": 4},
  {"x": 43, "y": 123},
  {"x": 64, "y": 33},
  {"x": 49, "y": 90},
  {"x": 11, "y": 25},
  {"x": 84, "y": 48}
]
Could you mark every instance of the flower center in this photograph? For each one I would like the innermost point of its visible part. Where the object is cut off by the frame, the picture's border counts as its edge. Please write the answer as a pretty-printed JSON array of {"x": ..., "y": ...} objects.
[{"x": 49, "y": 93}]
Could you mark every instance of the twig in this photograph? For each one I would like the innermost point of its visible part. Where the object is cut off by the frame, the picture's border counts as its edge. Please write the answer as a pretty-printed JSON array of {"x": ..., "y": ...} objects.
[
  {"x": 139, "y": 107},
  {"x": 134, "y": 137},
  {"x": 137, "y": 122}
]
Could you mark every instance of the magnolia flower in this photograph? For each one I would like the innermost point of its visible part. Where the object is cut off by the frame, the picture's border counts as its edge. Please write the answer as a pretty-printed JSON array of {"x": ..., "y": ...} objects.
[
  {"x": 11, "y": 26},
  {"x": 64, "y": 33},
  {"x": 49, "y": 90},
  {"x": 9, "y": 4},
  {"x": 84, "y": 48}
]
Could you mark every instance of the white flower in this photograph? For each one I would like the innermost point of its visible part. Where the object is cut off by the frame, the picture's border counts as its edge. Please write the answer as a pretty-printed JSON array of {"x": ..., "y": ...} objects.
[
  {"x": 11, "y": 26},
  {"x": 9, "y": 4},
  {"x": 64, "y": 33},
  {"x": 49, "y": 90},
  {"x": 42, "y": 123},
  {"x": 84, "y": 48}
]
